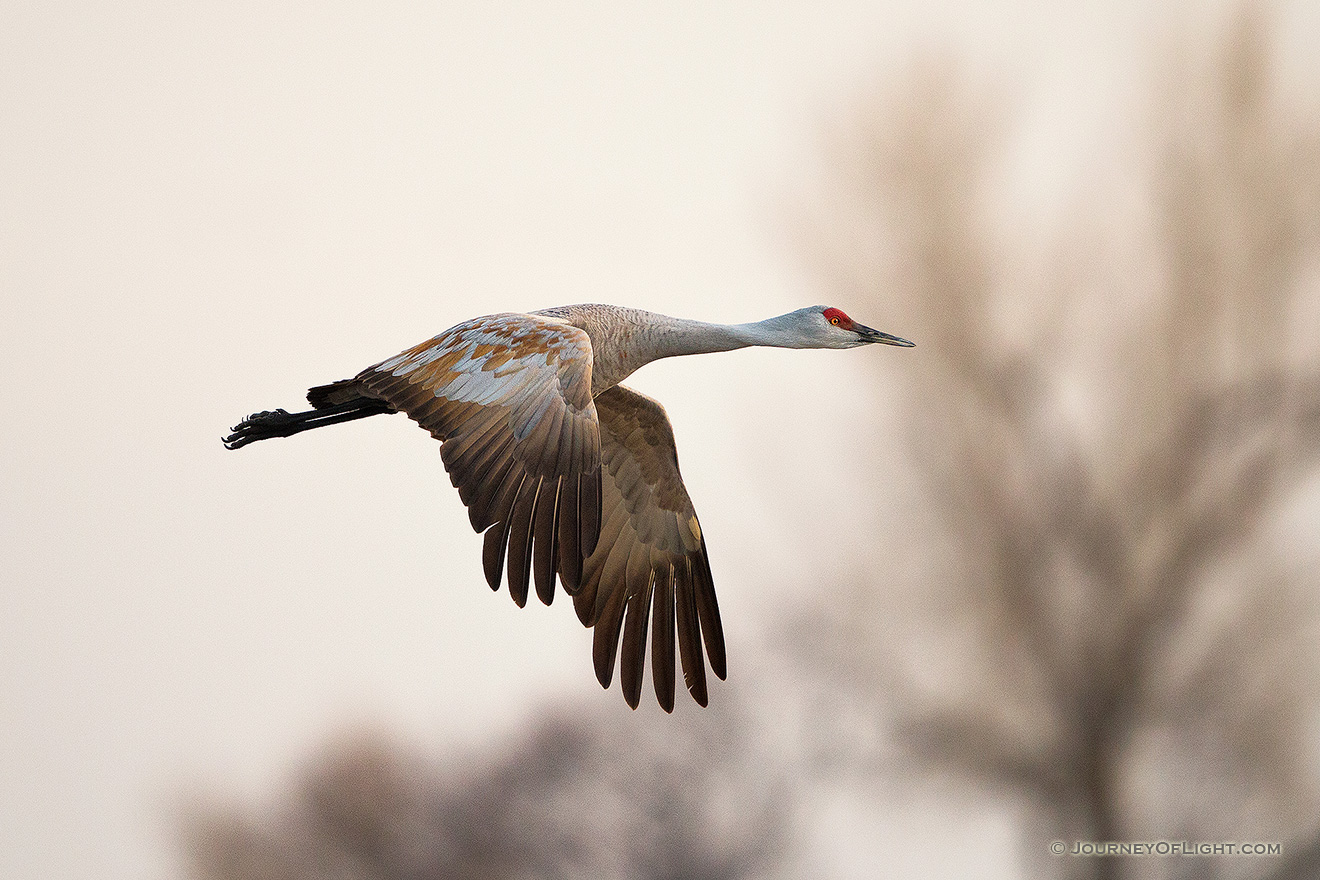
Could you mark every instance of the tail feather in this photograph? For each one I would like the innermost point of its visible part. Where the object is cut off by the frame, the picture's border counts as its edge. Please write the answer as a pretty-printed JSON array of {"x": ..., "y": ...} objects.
[
  {"x": 281, "y": 423},
  {"x": 343, "y": 391}
]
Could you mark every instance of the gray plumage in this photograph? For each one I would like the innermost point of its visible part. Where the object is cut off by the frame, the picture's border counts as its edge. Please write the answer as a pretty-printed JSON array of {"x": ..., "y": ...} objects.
[{"x": 568, "y": 473}]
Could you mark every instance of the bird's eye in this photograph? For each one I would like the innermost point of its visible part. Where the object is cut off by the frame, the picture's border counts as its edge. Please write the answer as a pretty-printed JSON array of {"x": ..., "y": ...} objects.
[{"x": 834, "y": 321}]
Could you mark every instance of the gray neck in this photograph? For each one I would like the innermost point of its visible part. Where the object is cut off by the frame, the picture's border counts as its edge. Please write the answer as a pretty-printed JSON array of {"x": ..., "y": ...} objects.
[
  {"x": 627, "y": 339},
  {"x": 673, "y": 337}
]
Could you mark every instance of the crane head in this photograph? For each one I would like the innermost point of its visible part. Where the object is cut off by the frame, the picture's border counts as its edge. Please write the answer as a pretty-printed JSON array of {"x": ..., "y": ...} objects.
[{"x": 849, "y": 333}]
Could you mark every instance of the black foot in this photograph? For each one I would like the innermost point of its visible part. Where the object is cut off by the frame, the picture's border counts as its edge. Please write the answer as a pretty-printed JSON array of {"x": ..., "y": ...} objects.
[
  {"x": 263, "y": 425},
  {"x": 282, "y": 423}
]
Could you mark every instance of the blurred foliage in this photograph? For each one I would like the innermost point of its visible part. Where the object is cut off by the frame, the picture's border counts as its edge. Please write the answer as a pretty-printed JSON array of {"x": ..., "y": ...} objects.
[{"x": 581, "y": 794}]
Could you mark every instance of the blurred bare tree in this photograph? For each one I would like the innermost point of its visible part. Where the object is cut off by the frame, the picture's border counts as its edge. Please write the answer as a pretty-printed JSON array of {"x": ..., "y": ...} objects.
[
  {"x": 1105, "y": 446},
  {"x": 583, "y": 794}
]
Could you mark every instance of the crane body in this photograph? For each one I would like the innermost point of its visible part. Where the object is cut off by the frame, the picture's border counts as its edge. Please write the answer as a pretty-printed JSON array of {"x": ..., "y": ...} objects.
[{"x": 568, "y": 473}]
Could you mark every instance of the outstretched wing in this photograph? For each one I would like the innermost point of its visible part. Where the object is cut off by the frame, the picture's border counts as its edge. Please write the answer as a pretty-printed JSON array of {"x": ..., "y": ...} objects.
[
  {"x": 509, "y": 397},
  {"x": 650, "y": 564}
]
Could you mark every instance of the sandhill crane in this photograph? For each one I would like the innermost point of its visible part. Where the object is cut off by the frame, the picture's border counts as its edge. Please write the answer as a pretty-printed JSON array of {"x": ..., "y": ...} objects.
[{"x": 568, "y": 472}]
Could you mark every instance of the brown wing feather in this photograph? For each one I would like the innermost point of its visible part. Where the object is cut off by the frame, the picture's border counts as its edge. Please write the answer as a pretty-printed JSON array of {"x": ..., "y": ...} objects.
[
  {"x": 651, "y": 559},
  {"x": 509, "y": 397}
]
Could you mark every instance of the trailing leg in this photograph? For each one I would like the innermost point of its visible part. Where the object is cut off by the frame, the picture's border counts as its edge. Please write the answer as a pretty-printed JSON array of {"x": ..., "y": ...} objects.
[{"x": 281, "y": 423}]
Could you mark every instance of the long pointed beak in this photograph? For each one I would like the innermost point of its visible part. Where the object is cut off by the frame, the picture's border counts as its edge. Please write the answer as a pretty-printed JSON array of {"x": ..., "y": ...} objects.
[{"x": 869, "y": 335}]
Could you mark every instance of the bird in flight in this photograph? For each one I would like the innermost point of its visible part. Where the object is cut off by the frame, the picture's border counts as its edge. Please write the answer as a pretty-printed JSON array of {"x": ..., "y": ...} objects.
[{"x": 569, "y": 473}]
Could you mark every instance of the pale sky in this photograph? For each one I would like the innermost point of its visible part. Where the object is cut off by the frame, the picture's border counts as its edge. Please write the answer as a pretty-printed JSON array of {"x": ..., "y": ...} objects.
[{"x": 207, "y": 208}]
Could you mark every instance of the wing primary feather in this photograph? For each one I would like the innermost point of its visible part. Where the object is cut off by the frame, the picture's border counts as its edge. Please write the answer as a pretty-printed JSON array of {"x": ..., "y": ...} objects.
[
  {"x": 492, "y": 555},
  {"x": 662, "y": 636},
  {"x": 570, "y": 552},
  {"x": 486, "y": 455},
  {"x": 590, "y": 500},
  {"x": 589, "y": 599},
  {"x": 708, "y": 613},
  {"x": 584, "y": 603},
  {"x": 633, "y": 656},
  {"x": 497, "y": 536},
  {"x": 544, "y": 550},
  {"x": 614, "y": 570},
  {"x": 426, "y": 410},
  {"x": 488, "y": 501},
  {"x": 462, "y": 453},
  {"x": 520, "y": 540},
  {"x": 481, "y": 469},
  {"x": 456, "y": 449},
  {"x": 689, "y": 636},
  {"x": 468, "y": 471},
  {"x": 605, "y": 635}
]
